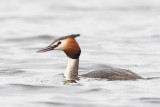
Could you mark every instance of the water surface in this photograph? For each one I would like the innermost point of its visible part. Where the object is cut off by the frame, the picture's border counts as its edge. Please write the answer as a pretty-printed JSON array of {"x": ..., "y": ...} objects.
[{"x": 117, "y": 33}]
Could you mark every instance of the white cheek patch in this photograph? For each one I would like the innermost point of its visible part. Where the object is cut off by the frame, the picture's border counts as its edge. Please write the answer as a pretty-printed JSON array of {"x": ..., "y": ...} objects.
[{"x": 61, "y": 46}]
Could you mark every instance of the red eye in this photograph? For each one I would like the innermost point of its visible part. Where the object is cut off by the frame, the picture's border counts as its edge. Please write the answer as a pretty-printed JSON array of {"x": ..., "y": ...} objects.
[{"x": 59, "y": 42}]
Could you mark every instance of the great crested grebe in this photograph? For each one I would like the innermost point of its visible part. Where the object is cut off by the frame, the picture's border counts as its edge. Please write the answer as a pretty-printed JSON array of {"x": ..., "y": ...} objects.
[{"x": 69, "y": 45}]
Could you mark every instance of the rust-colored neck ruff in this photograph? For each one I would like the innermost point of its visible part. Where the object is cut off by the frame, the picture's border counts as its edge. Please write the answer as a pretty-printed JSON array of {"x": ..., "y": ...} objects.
[{"x": 72, "y": 49}]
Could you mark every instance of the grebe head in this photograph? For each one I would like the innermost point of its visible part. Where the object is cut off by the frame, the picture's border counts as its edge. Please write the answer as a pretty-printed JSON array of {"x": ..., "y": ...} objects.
[{"x": 68, "y": 44}]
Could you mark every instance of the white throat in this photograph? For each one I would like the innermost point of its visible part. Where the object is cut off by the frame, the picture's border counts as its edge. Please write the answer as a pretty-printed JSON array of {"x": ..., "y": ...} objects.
[{"x": 72, "y": 68}]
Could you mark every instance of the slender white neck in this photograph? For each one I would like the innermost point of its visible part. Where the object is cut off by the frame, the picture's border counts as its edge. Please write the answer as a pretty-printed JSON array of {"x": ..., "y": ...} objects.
[{"x": 72, "y": 68}]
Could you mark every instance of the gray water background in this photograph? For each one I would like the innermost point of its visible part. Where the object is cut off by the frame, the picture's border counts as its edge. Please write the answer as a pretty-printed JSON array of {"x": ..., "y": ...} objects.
[{"x": 117, "y": 33}]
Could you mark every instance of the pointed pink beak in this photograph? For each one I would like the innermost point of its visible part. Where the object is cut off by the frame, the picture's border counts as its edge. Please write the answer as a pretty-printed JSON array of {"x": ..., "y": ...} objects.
[{"x": 48, "y": 48}]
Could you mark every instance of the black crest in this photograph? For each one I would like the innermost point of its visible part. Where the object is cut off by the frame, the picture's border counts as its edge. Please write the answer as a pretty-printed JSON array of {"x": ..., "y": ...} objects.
[{"x": 68, "y": 36}]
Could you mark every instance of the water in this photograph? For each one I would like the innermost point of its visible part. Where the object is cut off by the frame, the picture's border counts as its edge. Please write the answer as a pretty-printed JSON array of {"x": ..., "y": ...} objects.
[{"x": 117, "y": 33}]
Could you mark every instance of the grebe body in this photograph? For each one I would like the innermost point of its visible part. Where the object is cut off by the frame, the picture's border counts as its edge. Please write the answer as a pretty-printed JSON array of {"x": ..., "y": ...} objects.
[
  {"x": 113, "y": 74},
  {"x": 69, "y": 45}
]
